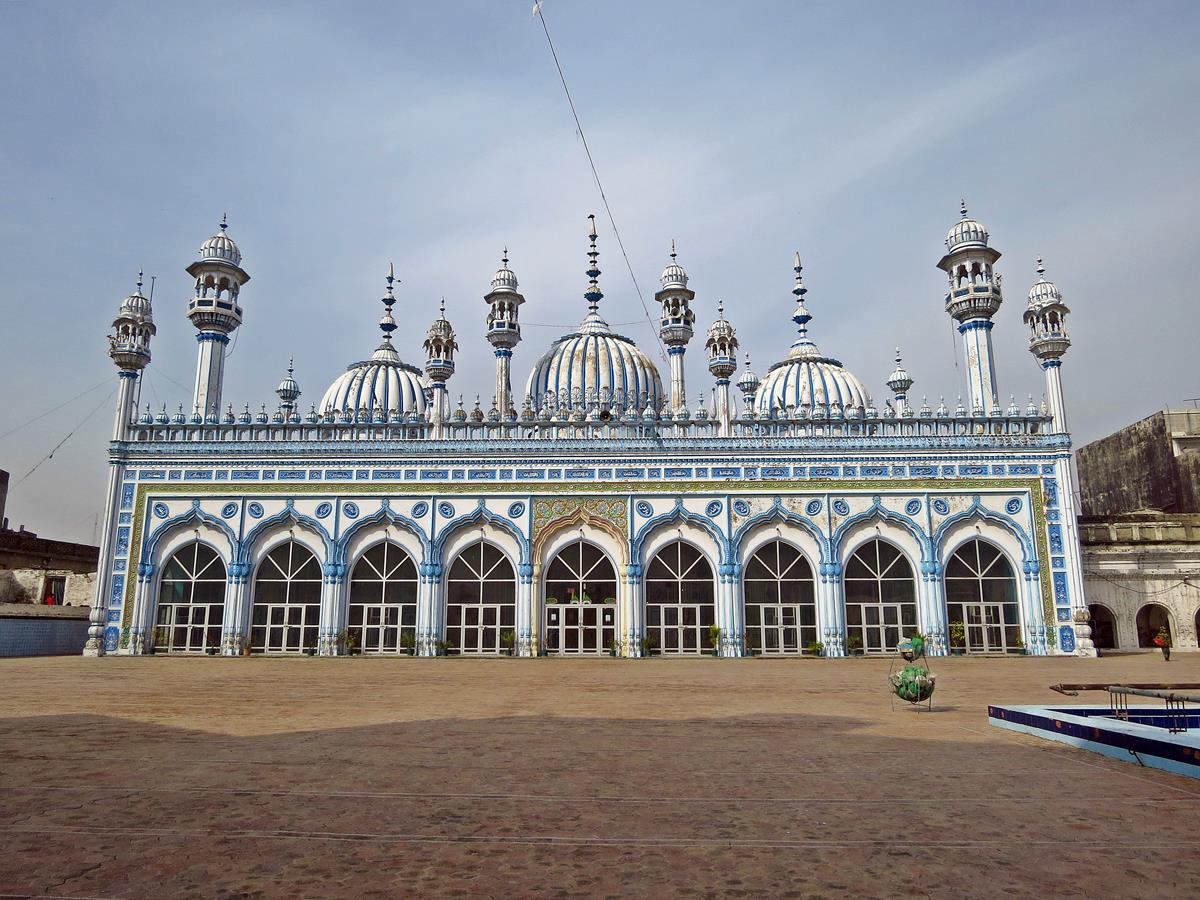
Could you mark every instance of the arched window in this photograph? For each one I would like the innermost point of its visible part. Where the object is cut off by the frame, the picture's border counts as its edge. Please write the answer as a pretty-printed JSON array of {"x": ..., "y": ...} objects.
[
  {"x": 781, "y": 607},
  {"x": 191, "y": 600},
  {"x": 383, "y": 598},
  {"x": 982, "y": 610},
  {"x": 881, "y": 598},
  {"x": 1104, "y": 627},
  {"x": 287, "y": 600},
  {"x": 481, "y": 599},
  {"x": 1150, "y": 619},
  {"x": 679, "y": 599},
  {"x": 581, "y": 605}
]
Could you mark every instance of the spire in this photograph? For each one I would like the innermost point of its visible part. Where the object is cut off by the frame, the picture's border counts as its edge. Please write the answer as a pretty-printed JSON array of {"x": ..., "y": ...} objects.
[
  {"x": 139, "y": 281},
  {"x": 801, "y": 316},
  {"x": 386, "y": 323},
  {"x": 1041, "y": 270},
  {"x": 593, "y": 294},
  {"x": 962, "y": 208},
  {"x": 900, "y": 382}
]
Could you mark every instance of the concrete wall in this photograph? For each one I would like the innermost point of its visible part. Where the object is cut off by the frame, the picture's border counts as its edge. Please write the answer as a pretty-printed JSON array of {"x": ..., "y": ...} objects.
[
  {"x": 29, "y": 585},
  {"x": 1137, "y": 468},
  {"x": 42, "y": 635}
]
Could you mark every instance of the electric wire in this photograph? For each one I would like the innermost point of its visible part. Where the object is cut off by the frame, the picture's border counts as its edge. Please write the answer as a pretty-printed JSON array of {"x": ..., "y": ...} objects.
[
  {"x": 537, "y": 11},
  {"x": 53, "y": 450},
  {"x": 38, "y": 418}
]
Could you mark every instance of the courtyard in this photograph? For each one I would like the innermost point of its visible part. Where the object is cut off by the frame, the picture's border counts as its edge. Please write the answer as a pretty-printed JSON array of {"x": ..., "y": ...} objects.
[{"x": 320, "y": 777}]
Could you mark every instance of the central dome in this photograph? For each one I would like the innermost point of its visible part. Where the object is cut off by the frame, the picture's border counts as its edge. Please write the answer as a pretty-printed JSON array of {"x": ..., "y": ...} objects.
[
  {"x": 807, "y": 379},
  {"x": 382, "y": 382},
  {"x": 593, "y": 362}
]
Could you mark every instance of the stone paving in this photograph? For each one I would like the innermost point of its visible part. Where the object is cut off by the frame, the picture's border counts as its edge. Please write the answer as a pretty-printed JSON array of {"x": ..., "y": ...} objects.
[{"x": 298, "y": 777}]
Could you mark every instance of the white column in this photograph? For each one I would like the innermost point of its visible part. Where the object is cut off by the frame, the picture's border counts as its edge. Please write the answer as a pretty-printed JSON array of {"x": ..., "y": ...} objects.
[
  {"x": 931, "y": 609},
  {"x": 428, "y": 609},
  {"x": 631, "y": 611},
  {"x": 678, "y": 396},
  {"x": 437, "y": 412},
  {"x": 97, "y": 618},
  {"x": 981, "y": 370},
  {"x": 527, "y": 576},
  {"x": 831, "y": 620},
  {"x": 333, "y": 610},
  {"x": 210, "y": 371},
  {"x": 234, "y": 633},
  {"x": 503, "y": 381},
  {"x": 724, "y": 410}
]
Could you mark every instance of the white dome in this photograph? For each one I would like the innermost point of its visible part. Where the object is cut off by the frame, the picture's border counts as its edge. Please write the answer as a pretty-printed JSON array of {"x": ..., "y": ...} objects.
[
  {"x": 1044, "y": 291},
  {"x": 381, "y": 382},
  {"x": 966, "y": 233},
  {"x": 593, "y": 359},
  {"x": 221, "y": 247},
  {"x": 807, "y": 379},
  {"x": 137, "y": 306}
]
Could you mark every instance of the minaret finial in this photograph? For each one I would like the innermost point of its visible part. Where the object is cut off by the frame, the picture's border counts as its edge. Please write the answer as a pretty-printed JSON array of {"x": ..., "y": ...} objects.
[
  {"x": 504, "y": 258},
  {"x": 593, "y": 294},
  {"x": 139, "y": 281},
  {"x": 386, "y": 323},
  {"x": 897, "y": 356},
  {"x": 224, "y": 221},
  {"x": 962, "y": 207},
  {"x": 1041, "y": 269},
  {"x": 672, "y": 249},
  {"x": 291, "y": 364},
  {"x": 442, "y": 308},
  {"x": 720, "y": 307},
  {"x": 801, "y": 315}
]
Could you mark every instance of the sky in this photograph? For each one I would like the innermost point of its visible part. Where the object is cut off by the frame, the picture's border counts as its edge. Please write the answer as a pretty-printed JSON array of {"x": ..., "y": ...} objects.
[{"x": 341, "y": 137}]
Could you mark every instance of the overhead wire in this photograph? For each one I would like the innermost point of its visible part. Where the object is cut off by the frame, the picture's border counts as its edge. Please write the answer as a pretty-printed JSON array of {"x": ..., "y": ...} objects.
[
  {"x": 540, "y": 14},
  {"x": 107, "y": 379},
  {"x": 55, "y": 448}
]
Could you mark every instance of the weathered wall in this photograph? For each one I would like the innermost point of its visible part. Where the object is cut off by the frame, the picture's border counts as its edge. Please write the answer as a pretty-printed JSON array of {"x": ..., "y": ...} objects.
[
  {"x": 29, "y": 585},
  {"x": 1136, "y": 469}
]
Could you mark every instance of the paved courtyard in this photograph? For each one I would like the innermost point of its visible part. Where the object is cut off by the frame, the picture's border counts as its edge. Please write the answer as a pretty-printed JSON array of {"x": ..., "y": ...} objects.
[{"x": 390, "y": 777}]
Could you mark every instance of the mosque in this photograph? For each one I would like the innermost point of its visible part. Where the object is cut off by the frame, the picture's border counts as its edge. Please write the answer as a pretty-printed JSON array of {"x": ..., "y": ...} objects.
[{"x": 597, "y": 511}]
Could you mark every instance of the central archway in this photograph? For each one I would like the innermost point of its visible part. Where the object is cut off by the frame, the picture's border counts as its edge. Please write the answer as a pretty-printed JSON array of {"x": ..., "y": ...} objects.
[
  {"x": 981, "y": 599},
  {"x": 287, "y": 600},
  {"x": 383, "y": 598},
  {"x": 581, "y": 605},
  {"x": 191, "y": 601},
  {"x": 780, "y": 597},
  {"x": 680, "y": 599},
  {"x": 481, "y": 599},
  {"x": 881, "y": 597}
]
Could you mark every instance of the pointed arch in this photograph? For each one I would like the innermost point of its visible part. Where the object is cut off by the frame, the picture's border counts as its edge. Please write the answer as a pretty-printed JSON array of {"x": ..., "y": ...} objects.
[
  {"x": 676, "y": 516},
  {"x": 481, "y": 515},
  {"x": 288, "y": 515},
  {"x": 171, "y": 527},
  {"x": 385, "y": 515},
  {"x": 778, "y": 513},
  {"x": 979, "y": 513},
  {"x": 878, "y": 512},
  {"x": 617, "y": 546}
]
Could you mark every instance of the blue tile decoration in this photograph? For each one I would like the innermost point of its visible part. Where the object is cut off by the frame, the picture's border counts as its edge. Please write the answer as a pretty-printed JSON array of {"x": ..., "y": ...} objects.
[
  {"x": 1061, "y": 597},
  {"x": 127, "y": 496},
  {"x": 713, "y": 509},
  {"x": 1013, "y": 506},
  {"x": 337, "y": 475},
  {"x": 516, "y": 510},
  {"x": 1063, "y": 613},
  {"x": 940, "y": 506},
  {"x": 112, "y": 636},
  {"x": 198, "y": 475},
  {"x": 445, "y": 510},
  {"x": 644, "y": 509},
  {"x": 822, "y": 471},
  {"x": 245, "y": 475},
  {"x": 922, "y": 471},
  {"x": 229, "y": 510},
  {"x": 161, "y": 510},
  {"x": 125, "y": 518},
  {"x": 774, "y": 472},
  {"x": 813, "y": 507},
  {"x": 875, "y": 471},
  {"x": 1056, "y": 539},
  {"x": 1058, "y": 562},
  {"x": 841, "y": 507},
  {"x": 255, "y": 509},
  {"x": 726, "y": 472},
  {"x": 323, "y": 510},
  {"x": 117, "y": 594},
  {"x": 420, "y": 510},
  {"x": 122, "y": 541},
  {"x": 741, "y": 507},
  {"x": 912, "y": 507},
  {"x": 1066, "y": 638},
  {"x": 350, "y": 510}
]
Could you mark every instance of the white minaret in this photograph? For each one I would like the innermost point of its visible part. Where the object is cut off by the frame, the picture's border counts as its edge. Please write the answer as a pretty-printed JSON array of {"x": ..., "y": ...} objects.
[
  {"x": 216, "y": 314},
  {"x": 439, "y": 366},
  {"x": 972, "y": 299},
  {"x": 722, "y": 346},
  {"x": 129, "y": 347},
  {"x": 1046, "y": 316},
  {"x": 900, "y": 383},
  {"x": 288, "y": 391},
  {"x": 504, "y": 330},
  {"x": 676, "y": 324}
]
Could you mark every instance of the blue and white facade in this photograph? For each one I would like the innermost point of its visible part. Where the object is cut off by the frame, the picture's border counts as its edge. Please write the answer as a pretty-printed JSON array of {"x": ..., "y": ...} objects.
[{"x": 598, "y": 512}]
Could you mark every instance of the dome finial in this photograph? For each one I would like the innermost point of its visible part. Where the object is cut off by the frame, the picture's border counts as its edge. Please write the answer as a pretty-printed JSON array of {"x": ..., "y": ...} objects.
[
  {"x": 962, "y": 207},
  {"x": 442, "y": 308},
  {"x": 593, "y": 294},
  {"x": 672, "y": 248},
  {"x": 1041, "y": 269},
  {"x": 139, "y": 281},
  {"x": 801, "y": 316},
  {"x": 386, "y": 323},
  {"x": 504, "y": 256},
  {"x": 224, "y": 221},
  {"x": 720, "y": 307}
]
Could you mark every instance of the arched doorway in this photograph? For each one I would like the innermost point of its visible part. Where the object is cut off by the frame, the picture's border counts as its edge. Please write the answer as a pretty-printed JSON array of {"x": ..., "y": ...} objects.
[
  {"x": 287, "y": 600},
  {"x": 1104, "y": 626},
  {"x": 680, "y": 599},
  {"x": 581, "y": 604},
  {"x": 1150, "y": 619},
  {"x": 780, "y": 599},
  {"x": 481, "y": 599},
  {"x": 383, "y": 598},
  {"x": 981, "y": 600},
  {"x": 881, "y": 597},
  {"x": 191, "y": 601}
]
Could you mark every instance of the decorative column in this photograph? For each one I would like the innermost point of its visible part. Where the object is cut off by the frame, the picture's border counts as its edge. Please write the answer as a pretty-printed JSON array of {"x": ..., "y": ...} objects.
[
  {"x": 526, "y": 578},
  {"x": 932, "y": 617},
  {"x": 333, "y": 609},
  {"x": 831, "y": 619},
  {"x": 215, "y": 313},
  {"x": 676, "y": 324},
  {"x": 1046, "y": 316},
  {"x": 235, "y": 635},
  {"x": 428, "y": 609},
  {"x": 632, "y": 611},
  {"x": 129, "y": 348},
  {"x": 972, "y": 299}
]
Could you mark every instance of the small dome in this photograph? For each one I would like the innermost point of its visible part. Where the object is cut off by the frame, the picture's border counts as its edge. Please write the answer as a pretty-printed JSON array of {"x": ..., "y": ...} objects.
[
  {"x": 504, "y": 279},
  {"x": 221, "y": 247},
  {"x": 807, "y": 380},
  {"x": 595, "y": 359},
  {"x": 966, "y": 233},
  {"x": 137, "y": 305},
  {"x": 899, "y": 381},
  {"x": 747, "y": 382},
  {"x": 288, "y": 389},
  {"x": 381, "y": 382},
  {"x": 673, "y": 276},
  {"x": 1044, "y": 291}
]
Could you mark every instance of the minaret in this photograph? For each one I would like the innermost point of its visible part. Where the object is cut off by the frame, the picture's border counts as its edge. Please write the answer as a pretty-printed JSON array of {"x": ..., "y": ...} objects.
[
  {"x": 972, "y": 299},
  {"x": 504, "y": 331},
  {"x": 748, "y": 383},
  {"x": 439, "y": 366},
  {"x": 722, "y": 346},
  {"x": 215, "y": 313},
  {"x": 1046, "y": 316},
  {"x": 288, "y": 391},
  {"x": 899, "y": 383},
  {"x": 129, "y": 347},
  {"x": 676, "y": 324}
]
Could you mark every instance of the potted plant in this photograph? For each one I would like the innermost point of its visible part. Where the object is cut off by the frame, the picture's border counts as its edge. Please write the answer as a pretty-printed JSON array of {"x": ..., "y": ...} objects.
[
  {"x": 551, "y": 600},
  {"x": 408, "y": 643},
  {"x": 854, "y": 644},
  {"x": 614, "y": 648},
  {"x": 714, "y": 638},
  {"x": 1162, "y": 640},
  {"x": 815, "y": 648},
  {"x": 349, "y": 641},
  {"x": 610, "y": 599},
  {"x": 508, "y": 640},
  {"x": 1019, "y": 645},
  {"x": 162, "y": 640},
  {"x": 444, "y": 648},
  {"x": 650, "y": 645},
  {"x": 310, "y": 649},
  {"x": 211, "y": 649},
  {"x": 958, "y": 639}
]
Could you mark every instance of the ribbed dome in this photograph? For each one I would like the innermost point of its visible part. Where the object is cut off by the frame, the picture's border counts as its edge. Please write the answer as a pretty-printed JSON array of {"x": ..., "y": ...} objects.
[
  {"x": 966, "y": 233},
  {"x": 807, "y": 379},
  {"x": 221, "y": 247},
  {"x": 381, "y": 382},
  {"x": 137, "y": 306},
  {"x": 1044, "y": 291},
  {"x": 505, "y": 278},
  {"x": 593, "y": 359}
]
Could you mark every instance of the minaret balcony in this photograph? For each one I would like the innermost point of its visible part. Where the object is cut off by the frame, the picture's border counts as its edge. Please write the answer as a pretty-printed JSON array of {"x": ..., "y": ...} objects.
[{"x": 963, "y": 305}]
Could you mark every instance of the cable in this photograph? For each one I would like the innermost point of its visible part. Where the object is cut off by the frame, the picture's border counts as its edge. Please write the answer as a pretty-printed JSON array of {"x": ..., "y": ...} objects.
[
  {"x": 56, "y": 408},
  {"x": 1133, "y": 590},
  {"x": 537, "y": 11},
  {"x": 64, "y": 440}
]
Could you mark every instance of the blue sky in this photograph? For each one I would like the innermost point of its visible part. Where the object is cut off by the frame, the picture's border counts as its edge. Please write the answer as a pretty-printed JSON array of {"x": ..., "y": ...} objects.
[{"x": 342, "y": 137}]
